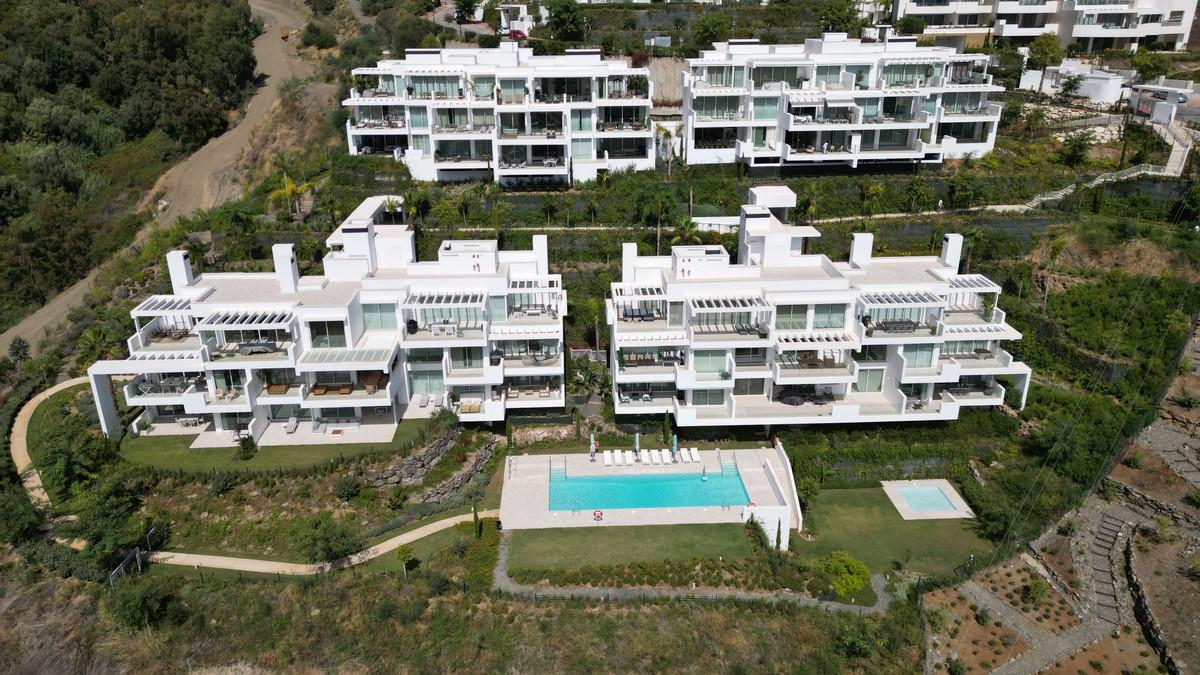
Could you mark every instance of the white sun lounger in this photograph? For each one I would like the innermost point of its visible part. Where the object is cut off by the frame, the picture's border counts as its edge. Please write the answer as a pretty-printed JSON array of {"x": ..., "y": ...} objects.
[
  {"x": 654, "y": 457},
  {"x": 630, "y": 458},
  {"x": 618, "y": 458},
  {"x": 608, "y": 458},
  {"x": 683, "y": 455},
  {"x": 695, "y": 455},
  {"x": 645, "y": 456},
  {"x": 666, "y": 455}
]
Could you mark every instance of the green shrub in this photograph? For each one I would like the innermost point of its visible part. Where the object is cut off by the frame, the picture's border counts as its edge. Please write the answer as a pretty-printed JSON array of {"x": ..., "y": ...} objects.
[
  {"x": 322, "y": 539},
  {"x": 246, "y": 449},
  {"x": 145, "y": 602},
  {"x": 315, "y": 35},
  {"x": 222, "y": 482},
  {"x": 845, "y": 574},
  {"x": 347, "y": 488}
]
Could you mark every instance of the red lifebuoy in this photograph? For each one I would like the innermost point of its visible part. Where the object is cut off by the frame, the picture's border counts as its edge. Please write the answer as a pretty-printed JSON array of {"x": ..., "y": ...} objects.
[
  {"x": 750, "y": 504},
  {"x": 597, "y": 515}
]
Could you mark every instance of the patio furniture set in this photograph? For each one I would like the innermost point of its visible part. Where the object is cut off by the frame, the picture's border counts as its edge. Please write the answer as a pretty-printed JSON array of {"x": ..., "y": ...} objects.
[
  {"x": 635, "y": 397},
  {"x": 530, "y": 392},
  {"x": 171, "y": 334},
  {"x": 649, "y": 457},
  {"x": 523, "y": 311},
  {"x": 645, "y": 359},
  {"x": 798, "y": 398},
  {"x": 640, "y": 314},
  {"x": 620, "y": 126},
  {"x": 325, "y": 389},
  {"x": 762, "y": 330},
  {"x": 380, "y": 124}
]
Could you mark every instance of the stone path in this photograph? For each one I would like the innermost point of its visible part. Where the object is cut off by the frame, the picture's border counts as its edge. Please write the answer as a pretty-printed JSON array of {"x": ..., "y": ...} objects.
[
  {"x": 197, "y": 561},
  {"x": 503, "y": 583},
  {"x": 19, "y": 449}
]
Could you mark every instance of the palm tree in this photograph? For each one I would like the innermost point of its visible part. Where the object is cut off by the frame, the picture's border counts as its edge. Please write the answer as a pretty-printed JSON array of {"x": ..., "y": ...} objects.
[
  {"x": 592, "y": 204},
  {"x": 290, "y": 192},
  {"x": 971, "y": 238},
  {"x": 391, "y": 207},
  {"x": 418, "y": 203},
  {"x": 686, "y": 233},
  {"x": 665, "y": 137},
  {"x": 95, "y": 343}
]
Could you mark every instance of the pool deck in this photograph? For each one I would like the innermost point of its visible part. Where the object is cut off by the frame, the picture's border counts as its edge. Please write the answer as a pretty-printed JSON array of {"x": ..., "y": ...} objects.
[
  {"x": 525, "y": 502},
  {"x": 892, "y": 489}
]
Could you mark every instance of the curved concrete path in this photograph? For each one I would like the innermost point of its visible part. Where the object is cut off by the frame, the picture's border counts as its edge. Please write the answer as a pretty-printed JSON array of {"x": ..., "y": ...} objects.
[
  {"x": 19, "y": 443},
  {"x": 503, "y": 583},
  {"x": 196, "y": 560}
]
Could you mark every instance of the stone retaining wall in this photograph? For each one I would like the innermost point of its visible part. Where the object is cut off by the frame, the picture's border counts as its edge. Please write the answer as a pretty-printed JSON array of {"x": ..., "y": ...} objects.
[
  {"x": 1179, "y": 516},
  {"x": 1141, "y": 609},
  {"x": 451, "y": 486},
  {"x": 412, "y": 469}
]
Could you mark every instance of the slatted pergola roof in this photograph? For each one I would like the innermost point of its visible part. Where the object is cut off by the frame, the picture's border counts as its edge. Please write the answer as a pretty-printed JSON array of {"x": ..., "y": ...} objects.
[
  {"x": 266, "y": 319},
  {"x": 730, "y": 304},
  {"x": 974, "y": 282},
  {"x": 162, "y": 305},
  {"x": 901, "y": 299},
  {"x": 636, "y": 292},
  {"x": 424, "y": 300},
  {"x": 797, "y": 340}
]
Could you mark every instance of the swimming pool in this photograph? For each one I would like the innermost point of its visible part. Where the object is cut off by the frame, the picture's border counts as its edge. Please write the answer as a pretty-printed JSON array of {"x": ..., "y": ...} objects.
[
  {"x": 646, "y": 491},
  {"x": 925, "y": 498}
]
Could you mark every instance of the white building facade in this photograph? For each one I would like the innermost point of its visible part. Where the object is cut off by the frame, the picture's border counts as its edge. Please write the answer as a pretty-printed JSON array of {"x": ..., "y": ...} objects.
[
  {"x": 836, "y": 101},
  {"x": 503, "y": 114},
  {"x": 1094, "y": 25},
  {"x": 378, "y": 338},
  {"x": 787, "y": 337}
]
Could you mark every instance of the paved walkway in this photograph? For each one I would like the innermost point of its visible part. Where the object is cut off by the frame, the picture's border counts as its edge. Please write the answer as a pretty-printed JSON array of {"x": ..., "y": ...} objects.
[
  {"x": 19, "y": 448},
  {"x": 197, "y": 561},
  {"x": 503, "y": 583}
]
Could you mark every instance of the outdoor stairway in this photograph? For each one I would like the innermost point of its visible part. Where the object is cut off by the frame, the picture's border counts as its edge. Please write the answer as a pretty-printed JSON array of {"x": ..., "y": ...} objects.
[
  {"x": 1099, "y": 559},
  {"x": 558, "y": 471}
]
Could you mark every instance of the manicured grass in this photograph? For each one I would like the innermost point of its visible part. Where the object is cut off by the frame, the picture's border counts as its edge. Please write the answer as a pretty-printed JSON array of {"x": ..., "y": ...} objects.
[
  {"x": 580, "y": 546},
  {"x": 422, "y": 549},
  {"x": 173, "y": 452},
  {"x": 864, "y": 523},
  {"x": 45, "y": 416}
]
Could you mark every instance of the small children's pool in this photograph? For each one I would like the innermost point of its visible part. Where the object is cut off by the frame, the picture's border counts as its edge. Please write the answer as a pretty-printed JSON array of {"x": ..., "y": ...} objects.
[
  {"x": 926, "y": 498},
  {"x": 642, "y": 491}
]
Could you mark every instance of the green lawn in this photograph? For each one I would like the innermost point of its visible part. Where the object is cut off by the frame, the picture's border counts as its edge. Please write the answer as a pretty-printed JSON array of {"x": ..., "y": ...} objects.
[
  {"x": 173, "y": 452},
  {"x": 44, "y": 417},
  {"x": 864, "y": 523},
  {"x": 422, "y": 549},
  {"x": 579, "y": 546}
]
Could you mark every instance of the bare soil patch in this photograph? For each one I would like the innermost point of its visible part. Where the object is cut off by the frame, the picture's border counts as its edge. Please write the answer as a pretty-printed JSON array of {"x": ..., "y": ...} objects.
[
  {"x": 1126, "y": 653},
  {"x": 961, "y": 630},
  {"x": 1024, "y": 589},
  {"x": 1154, "y": 478},
  {"x": 1137, "y": 256},
  {"x": 1173, "y": 593},
  {"x": 1056, "y": 552}
]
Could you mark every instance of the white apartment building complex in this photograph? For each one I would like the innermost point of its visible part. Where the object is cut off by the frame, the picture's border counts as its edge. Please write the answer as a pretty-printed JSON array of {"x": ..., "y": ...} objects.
[
  {"x": 836, "y": 101},
  {"x": 787, "y": 337},
  {"x": 378, "y": 337},
  {"x": 504, "y": 114},
  {"x": 1094, "y": 25}
]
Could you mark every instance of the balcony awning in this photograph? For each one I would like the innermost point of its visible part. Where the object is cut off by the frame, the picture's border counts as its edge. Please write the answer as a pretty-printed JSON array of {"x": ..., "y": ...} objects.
[
  {"x": 901, "y": 299},
  {"x": 162, "y": 305},
  {"x": 731, "y": 304},
  {"x": 344, "y": 356},
  {"x": 794, "y": 340},
  {"x": 808, "y": 97},
  {"x": 974, "y": 282},
  {"x": 271, "y": 319},
  {"x": 636, "y": 292},
  {"x": 434, "y": 300},
  {"x": 539, "y": 284}
]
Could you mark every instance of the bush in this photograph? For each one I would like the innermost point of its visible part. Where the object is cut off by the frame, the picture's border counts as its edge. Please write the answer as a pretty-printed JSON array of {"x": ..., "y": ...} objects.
[
  {"x": 221, "y": 483},
  {"x": 489, "y": 41},
  {"x": 347, "y": 488},
  {"x": 1133, "y": 460},
  {"x": 246, "y": 449},
  {"x": 317, "y": 36},
  {"x": 144, "y": 602},
  {"x": 845, "y": 574},
  {"x": 324, "y": 540}
]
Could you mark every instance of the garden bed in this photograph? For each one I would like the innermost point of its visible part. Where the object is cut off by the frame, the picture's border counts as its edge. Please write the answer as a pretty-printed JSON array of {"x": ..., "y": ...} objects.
[
  {"x": 969, "y": 634},
  {"x": 1018, "y": 585},
  {"x": 1125, "y": 653}
]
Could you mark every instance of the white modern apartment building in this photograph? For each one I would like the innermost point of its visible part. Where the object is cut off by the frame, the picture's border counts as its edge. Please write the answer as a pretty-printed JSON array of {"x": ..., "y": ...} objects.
[
  {"x": 503, "y": 114},
  {"x": 1094, "y": 25},
  {"x": 836, "y": 101},
  {"x": 787, "y": 337},
  {"x": 379, "y": 337}
]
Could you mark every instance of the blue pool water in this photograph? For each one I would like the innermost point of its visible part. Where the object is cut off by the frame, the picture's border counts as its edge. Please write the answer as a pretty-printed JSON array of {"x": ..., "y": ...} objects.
[
  {"x": 586, "y": 493},
  {"x": 924, "y": 498}
]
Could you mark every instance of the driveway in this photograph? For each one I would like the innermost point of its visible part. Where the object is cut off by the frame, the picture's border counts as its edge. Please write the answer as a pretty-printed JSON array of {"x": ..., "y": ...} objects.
[{"x": 444, "y": 16}]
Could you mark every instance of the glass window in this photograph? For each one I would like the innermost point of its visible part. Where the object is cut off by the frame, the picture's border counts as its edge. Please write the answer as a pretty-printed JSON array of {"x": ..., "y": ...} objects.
[
  {"x": 766, "y": 108},
  {"x": 512, "y": 91},
  {"x": 829, "y": 316},
  {"x": 869, "y": 380},
  {"x": 870, "y": 106},
  {"x": 427, "y": 382},
  {"x": 497, "y": 309},
  {"x": 750, "y": 356},
  {"x": 919, "y": 356},
  {"x": 379, "y": 316},
  {"x": 418, "y": 117},
  {"x": 327, "y": 333},
  {"x": 675, "y": 314},
  {"x": 581, "y": 148},
  {"x": 791, "y": 317},
  {"x": 335, "y": 377},
  {"x": 829, "y": 74},
  {"x": 485, "y": 86},
  {"x": 748, "y": 387},
  {"x": 466, "y": 357},
  {"x": 581, "y": 120},
  {"x": 871, "y": 353},
  {"x": 967, "y": 347},
  {"x": 427, "y": 355},
  {"x": 708, "y": 397},
  {"x": 483, "y": 117},
  {"x": 421, "y": 143},
  {"x": 710, "y": 360}
]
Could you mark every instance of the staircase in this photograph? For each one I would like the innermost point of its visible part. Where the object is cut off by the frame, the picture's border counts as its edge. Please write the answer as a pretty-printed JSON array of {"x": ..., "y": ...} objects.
[{"x": 558, "y": 470}]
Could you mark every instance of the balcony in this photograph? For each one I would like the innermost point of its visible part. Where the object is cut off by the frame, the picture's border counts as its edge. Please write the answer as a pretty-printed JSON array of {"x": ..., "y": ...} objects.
[
  {"x": 376, "y": 125},
  {"x": 984, "y": 394},
  {"x": 811, "y": 371},
  {"x": 372, "y": 387},
  {"x": 162, "y": 390},
  {"x": 985, "y": 360},
  {"x": 542, "y": 395},
  {"x": 640, "y": 400},
  {"x": 256, "y": 351},
  {"x": 533, "y": 364}
]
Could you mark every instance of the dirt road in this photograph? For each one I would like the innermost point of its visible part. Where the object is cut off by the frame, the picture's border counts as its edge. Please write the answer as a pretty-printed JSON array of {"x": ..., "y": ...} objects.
[{"x": 205, "y": 179}]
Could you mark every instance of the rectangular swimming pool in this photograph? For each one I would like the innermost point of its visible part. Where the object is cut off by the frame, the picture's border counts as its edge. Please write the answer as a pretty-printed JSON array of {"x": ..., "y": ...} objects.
[
  {"x": 926, "y": 498},
  {"x": 646, "y": 491}
]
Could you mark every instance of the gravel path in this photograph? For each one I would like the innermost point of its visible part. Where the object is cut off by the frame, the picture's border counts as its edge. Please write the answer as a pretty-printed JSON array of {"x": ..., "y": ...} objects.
[{"x": 503, "y": 583}]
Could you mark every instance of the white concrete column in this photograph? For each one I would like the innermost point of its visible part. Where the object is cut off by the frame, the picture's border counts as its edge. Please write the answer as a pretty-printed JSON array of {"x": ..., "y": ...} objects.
[{"x": 106, "y": 405}]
